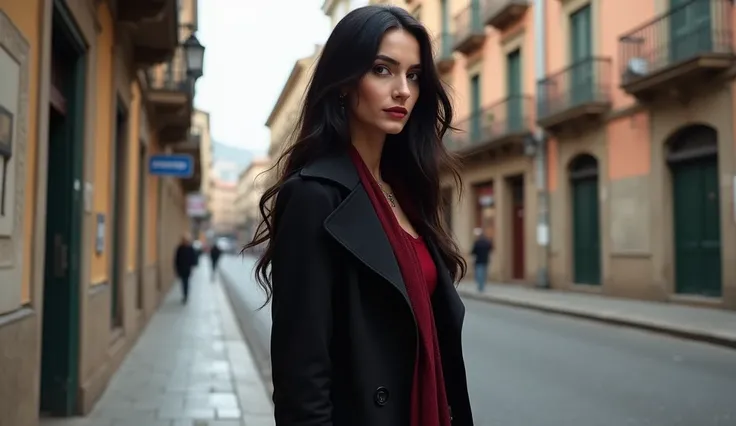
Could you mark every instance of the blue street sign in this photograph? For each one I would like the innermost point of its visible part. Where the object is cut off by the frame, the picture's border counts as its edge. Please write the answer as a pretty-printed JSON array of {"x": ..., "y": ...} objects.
[{"x": 174, "y": 165}]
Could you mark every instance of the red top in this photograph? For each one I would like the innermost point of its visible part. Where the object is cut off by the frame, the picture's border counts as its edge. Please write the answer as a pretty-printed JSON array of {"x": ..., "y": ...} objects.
[{"x": 429, "y": 269}]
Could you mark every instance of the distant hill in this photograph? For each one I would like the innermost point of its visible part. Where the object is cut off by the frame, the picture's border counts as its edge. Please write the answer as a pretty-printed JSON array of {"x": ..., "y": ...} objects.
[{"x": 240, "y": 156}]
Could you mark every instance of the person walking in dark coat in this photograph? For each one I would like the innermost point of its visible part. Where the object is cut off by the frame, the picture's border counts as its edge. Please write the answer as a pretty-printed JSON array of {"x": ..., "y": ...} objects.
[
  {"x": 215, "y": 253},
  {"x": 184, "y": 261},
  {"x": 366, "y": 319},
  {"x": 482, "y": 249}
]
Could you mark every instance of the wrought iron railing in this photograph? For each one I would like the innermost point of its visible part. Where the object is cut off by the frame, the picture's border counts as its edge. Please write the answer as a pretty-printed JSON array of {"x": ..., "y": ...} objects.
[
  {"x": 585, "y": 81},
  {"x": 493, "y": 7},
  {"x": 468, "y": 22},
  {"x": 171, "y": 75},
  {"x": 512, "y": 115},
  {"x": 685, "y": 31}
]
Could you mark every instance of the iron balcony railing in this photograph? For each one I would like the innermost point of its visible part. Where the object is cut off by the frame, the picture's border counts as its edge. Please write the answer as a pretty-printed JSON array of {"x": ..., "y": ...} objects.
[
  {"x": 171, "y": 75},
  {"x": 586, "y": 81},
  {"x": 468, "y": 22},
  {"x": 493, "y": 7},
  {"x": 510, "y": 116},
  {"x": 684, "y": 32}
]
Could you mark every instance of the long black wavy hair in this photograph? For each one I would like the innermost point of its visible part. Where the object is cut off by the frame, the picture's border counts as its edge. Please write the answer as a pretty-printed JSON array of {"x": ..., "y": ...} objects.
[{"x": 322, "y": 127}]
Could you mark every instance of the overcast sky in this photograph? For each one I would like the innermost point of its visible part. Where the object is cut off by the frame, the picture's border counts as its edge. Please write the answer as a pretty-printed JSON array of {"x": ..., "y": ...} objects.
[{"x": 251, "y": 47}]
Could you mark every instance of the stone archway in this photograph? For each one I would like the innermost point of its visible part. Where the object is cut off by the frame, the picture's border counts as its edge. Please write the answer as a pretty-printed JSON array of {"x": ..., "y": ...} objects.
[
  {"x": 583, "y": 173},
  {"x": 692, "y": 157}
]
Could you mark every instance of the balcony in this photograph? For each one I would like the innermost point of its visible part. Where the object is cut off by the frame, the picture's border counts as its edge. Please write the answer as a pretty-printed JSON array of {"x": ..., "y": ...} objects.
[
  {"x": 690, "y": 43},
  {"x": 445, "y": 59},
  {"x": 580, "y": 92},
  {"x": 154, "y": 30},
  {"x": 470, "y": 33},
  {"x": 502, "y": 13},
  {"x": 503, "y": 123},
  {"x": 170, "y": 93}
]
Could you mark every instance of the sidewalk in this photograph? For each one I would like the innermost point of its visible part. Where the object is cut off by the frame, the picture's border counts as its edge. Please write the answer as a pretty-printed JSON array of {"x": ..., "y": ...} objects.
[
  {"x": 704, "y": 324},
  {"x": 190, "y": 367}
]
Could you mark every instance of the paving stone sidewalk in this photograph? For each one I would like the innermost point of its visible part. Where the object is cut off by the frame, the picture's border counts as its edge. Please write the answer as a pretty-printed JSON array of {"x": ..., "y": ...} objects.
[
  {"x": 190, "y": 367},
  {"x": 711, "y": 325}
]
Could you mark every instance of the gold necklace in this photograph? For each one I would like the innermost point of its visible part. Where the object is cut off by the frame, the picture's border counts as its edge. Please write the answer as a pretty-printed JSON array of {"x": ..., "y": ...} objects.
[{"x": 389, "y": 196}]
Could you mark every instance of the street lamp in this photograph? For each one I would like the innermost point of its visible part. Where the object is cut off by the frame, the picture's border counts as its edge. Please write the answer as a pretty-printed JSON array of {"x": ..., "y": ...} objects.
[{"x": 194, "y": 54}]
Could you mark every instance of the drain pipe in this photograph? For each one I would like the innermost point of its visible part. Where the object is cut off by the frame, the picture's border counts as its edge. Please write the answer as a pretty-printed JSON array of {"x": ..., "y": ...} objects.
[{"x": 543, "y": 228}]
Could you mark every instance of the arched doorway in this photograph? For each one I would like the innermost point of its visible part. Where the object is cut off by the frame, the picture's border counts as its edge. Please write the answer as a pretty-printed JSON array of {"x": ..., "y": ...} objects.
[
  {"x": 586, "y": 241},
  {"x": 692, "y": 156}
]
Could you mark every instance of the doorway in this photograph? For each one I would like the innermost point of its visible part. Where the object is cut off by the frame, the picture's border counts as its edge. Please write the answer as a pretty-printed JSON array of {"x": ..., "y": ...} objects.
[
  {"x": 516, "y": 186},
  {"x": 693, "y": 161},
  {"x": 142, "y": 231},
  {"x": 485, "y": 210},
  {"x": 586, "y": 245},
  {"x": 60, "y": 325},
  {"x": 119, "y": 208}
]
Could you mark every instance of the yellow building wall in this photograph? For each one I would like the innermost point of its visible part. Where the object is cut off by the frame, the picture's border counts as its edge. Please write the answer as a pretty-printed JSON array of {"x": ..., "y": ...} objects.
[
  {"x": 25, "y": 15},
  {"x": 133, "y": 164},
  {"x": 152, "y": 208},
  {"x": 103, "y": 136}
]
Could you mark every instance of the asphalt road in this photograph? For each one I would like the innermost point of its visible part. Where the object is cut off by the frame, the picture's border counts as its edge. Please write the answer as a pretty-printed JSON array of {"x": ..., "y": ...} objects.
[{"x": 526, "y": 368}]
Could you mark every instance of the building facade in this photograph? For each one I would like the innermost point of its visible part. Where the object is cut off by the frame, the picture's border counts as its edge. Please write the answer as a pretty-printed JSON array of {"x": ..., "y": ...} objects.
[
  {"x": 224, "y": 220},
  {"x": 201, "y": 132},
  {"x": 596, "y": 139},
  {"x": 90, "y": 90},
  {"x": 251, "y": 186}
]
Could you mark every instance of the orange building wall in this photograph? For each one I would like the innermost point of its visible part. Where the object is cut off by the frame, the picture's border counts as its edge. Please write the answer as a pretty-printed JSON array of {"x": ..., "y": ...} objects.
[
  {"x": 619, "y": 20},
  {"x": 553, "y": 158},
  {"x": 26, "y": 16},
  {"x": 134, "y": 156},
  {"x": 103, "y": 136},
  {"x": 153, "y": 207},
  {"x": 629, "y": 146}
]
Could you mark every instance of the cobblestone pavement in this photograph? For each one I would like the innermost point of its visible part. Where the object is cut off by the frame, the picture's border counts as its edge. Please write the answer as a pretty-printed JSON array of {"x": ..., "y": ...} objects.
[{"x": 190, "y": 367}]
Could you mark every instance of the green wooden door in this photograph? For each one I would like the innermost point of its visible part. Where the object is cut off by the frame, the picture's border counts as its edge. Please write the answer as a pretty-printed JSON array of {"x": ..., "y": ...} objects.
[
  {"x": 690, "y": 29},
  {"x": 582, "y": 75},
  {"x": 60, "y": 328},
  {"x": 697, "y": 227},
  {"x": 446, "y": 41},
  {"x": 514, "y": 110},
  {"x": 476, "y": 113},
  {"x": 586, "y": 231},
  {"x": 476, "y": 20}
]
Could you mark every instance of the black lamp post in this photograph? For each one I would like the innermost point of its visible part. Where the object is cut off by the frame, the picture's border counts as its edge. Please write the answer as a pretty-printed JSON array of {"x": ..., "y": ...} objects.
[{"x": 194, "y": 54}]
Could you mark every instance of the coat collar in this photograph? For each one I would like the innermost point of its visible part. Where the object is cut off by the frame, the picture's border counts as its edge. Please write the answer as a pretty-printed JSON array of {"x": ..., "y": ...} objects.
[
  {"x": 356, "y": 226},
  {"x": 354, "y": 223}
]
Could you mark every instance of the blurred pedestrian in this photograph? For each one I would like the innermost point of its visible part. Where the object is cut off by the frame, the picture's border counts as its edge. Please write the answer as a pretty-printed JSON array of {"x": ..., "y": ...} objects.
[
  {"x": 360, "y": 270},
  {"x": 482, "y": 249},
  {"x": 184, "y": 260},
  {"x": 215, "y": 253}
]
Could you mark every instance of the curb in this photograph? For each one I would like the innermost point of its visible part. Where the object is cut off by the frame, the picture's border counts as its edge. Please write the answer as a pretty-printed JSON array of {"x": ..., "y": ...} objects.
[
  {"x": 619, "y": 320},
  {"x": 260, "y": 353}
]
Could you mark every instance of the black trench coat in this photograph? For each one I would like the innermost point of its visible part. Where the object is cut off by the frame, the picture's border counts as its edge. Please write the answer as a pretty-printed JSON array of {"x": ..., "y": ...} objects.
[{"x": 343, "y": 340}]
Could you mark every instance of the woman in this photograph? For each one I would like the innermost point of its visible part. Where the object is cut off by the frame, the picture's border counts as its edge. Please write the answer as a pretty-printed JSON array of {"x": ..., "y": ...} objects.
[{"x": 366, "y": 319}]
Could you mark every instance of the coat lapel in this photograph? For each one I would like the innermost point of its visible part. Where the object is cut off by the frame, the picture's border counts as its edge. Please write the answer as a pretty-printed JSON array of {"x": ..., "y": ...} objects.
[
  {"x": 446, "y": 300},
  {"x": 354, "y": 223}
]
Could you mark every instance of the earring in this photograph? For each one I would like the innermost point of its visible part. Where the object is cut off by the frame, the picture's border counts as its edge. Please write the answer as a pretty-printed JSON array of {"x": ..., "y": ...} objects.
[{"x": 342, "y": 101}]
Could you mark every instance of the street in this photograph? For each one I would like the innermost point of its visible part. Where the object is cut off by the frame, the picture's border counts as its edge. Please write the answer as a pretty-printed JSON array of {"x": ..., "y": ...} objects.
[{"x": 526, "y": 368}]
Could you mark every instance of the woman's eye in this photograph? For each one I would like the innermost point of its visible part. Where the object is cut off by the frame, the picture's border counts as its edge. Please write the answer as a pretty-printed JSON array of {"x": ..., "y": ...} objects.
[
  {"x": 381, "y": 70},
  {"x": 413, "y": 76}
]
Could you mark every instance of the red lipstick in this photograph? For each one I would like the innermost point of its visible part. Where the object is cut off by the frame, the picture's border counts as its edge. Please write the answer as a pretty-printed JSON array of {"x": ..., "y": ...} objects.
[{"x": 397, "y": 112}]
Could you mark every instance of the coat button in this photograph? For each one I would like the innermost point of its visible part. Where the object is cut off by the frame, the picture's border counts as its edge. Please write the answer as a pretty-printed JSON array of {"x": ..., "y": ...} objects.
[{"x": 381, "y": 396}]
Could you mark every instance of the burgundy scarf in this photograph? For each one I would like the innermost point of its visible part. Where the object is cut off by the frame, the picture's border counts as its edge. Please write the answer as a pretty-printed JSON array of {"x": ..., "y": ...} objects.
[{"x": 428, "y": 398}]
